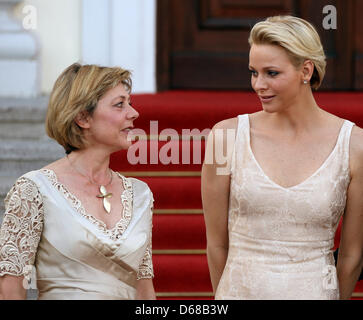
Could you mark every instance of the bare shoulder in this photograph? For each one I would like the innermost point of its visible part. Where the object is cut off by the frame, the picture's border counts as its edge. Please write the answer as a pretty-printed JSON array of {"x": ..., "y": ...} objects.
[
  {"x": 356, "y": 150},
  {"x": 62, "y": 170},
  {"x": 56, "y": 165},
  {"x": 222, "y": 134},
  {"x": 356, "y": 141},
  {"x": 230, "y": 123}
]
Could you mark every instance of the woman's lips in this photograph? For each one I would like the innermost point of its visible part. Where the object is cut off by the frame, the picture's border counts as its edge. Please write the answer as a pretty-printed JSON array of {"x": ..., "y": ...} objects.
[
  {"x": 266, "y": 98},
  {"x": 127, "y": 130}
]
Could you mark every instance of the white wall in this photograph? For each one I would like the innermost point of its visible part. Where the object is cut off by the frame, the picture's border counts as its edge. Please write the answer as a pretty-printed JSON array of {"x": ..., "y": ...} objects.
[
  {"x": 105, "y": 32},
  {"x": 59, "y": 33},
  {"x": 122, "y": 33}
]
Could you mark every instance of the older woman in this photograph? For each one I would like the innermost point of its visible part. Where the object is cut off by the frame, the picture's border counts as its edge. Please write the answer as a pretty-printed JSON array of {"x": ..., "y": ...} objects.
[
  {"x": 86, "y": 228},
  {"x": 293, "y": 171}
]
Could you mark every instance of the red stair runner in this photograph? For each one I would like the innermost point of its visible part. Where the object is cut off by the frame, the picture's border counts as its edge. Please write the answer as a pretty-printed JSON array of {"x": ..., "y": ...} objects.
[
  {"x": 186, "y": 231},
  {"x": 175, "y": 192},
  {"x": 181, "y": 269}
]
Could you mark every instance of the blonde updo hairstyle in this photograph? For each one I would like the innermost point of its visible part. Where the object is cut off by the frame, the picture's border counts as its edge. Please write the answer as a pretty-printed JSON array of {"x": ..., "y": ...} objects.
[
  {"x": 298, "y": 37},
  {"x": 78, "y": 90}
]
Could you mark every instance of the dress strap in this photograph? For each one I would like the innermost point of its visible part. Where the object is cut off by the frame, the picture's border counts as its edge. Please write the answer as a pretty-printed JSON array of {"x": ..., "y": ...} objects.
[
  {"x": 343, "y": 142},
  {"x": 240, "y": 134},
  {"x": 243, "y": 125}
]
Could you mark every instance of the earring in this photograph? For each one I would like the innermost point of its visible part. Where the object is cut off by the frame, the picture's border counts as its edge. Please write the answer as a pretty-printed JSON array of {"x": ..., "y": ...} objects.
[{"x": 305, "y": 81}]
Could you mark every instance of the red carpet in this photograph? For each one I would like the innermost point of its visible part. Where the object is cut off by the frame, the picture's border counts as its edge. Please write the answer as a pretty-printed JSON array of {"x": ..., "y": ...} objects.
[
  {"x": 181, "y": 270},
  {"x": 202, "y": 109},
  {"x": 192, "y": 161},
  {"x": 184, "y": 231},
  {"x": 182, "y": 192}
]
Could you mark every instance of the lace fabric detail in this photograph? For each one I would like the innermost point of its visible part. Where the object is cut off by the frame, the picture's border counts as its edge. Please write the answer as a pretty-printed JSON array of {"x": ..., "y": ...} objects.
[
  {"x": 281, "y": 238},
  {"x": 126, "y": 200},
  {"x": 23, "y": 222},
  {"x": 146, "y": 270},
  {"x": 21, "y": 228},
  {"x": 146, "y": 267}
]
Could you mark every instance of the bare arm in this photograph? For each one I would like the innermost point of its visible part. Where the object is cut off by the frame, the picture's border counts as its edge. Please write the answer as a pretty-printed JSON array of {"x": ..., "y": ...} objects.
[
  {"x": 215, "y": 197},
  {"x": 145, "y": 290},
  {"x": 350, "y": 258},
  {"x": 11, "y": 288}
]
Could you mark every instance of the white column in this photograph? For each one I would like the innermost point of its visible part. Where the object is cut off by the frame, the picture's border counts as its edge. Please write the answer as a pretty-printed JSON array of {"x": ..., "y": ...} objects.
[
  {"x": 19, "y": 74},
  {"x": 96, "y": 32},
  {"x": 122, "y": 33}
]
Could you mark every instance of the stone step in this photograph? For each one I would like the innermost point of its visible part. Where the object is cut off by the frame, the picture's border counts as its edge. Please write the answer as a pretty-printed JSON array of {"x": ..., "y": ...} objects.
[
  {"x": 23, "y": 110},
  {"x": 6, "y": 183},
  {"x": 22, "y": 130},
  {"x": 45, "y": 149},
  {"x": 22, "y": 118},
  {"x": 18, "y": 157}
]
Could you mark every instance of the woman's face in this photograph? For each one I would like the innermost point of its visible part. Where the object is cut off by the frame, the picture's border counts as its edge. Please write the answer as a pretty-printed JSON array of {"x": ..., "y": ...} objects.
[
  {"x": 112, "y": 120},
  {"x": 275, "y": 79}
]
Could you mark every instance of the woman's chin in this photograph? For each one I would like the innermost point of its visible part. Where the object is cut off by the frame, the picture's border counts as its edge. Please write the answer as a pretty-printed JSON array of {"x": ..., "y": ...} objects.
[
  {"x": 122, "y": 146},
  {"x": 125, "y": 146},
  {"x": 271, "y": 108},
  {"x": 126, "y": 141}
]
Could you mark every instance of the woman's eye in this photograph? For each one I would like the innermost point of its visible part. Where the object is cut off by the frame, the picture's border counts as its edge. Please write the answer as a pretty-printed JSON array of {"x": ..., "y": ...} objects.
[
  {"x": 119, "y": 104},
  {"x": 272, "y": 73},
  {"x": 253, "y": 72}
]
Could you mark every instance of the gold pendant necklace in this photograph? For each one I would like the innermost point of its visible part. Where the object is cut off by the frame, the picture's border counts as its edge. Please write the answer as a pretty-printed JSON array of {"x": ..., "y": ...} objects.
[{"x": 104, "y": 194}]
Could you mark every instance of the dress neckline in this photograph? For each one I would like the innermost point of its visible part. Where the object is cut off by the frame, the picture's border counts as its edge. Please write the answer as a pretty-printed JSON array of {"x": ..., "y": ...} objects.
[
  {"x": 126, "y": 198},
  {"x": 316, "y": 172}
]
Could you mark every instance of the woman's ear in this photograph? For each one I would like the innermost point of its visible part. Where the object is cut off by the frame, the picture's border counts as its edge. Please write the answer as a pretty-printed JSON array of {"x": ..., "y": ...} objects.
[
  {"x": 307, "y": 70},
  {"x": 82, "y": 119}
]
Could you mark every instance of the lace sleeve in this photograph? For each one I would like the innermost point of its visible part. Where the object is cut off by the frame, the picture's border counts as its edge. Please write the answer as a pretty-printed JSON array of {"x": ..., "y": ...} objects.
[
  {"x": 21, "y": 228},
  {"x": 146, "y": 267},
  {"x": 146, "y": 270}
]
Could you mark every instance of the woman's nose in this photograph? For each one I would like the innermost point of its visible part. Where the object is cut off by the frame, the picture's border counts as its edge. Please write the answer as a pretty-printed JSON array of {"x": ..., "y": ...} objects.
[
  {"x": 132, "y": 114},
  {"x": 259, "y": 83}
]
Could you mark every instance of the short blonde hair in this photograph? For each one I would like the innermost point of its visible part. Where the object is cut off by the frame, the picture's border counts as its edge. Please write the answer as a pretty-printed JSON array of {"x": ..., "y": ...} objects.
[
  {"x": 298, "y": 37},
  {"x": 78, "y": 89}
]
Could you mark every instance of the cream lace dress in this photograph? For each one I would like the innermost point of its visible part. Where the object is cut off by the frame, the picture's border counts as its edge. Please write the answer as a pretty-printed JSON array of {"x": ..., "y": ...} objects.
[
  {"x": 281, "y": 239},
  {"x": 75, "y": 255}
]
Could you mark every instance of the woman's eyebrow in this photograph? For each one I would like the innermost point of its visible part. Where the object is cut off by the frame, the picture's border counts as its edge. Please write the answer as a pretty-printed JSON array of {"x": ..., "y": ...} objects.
[
  {"x": 122, "y": 97},
  {"x": 265, "y": 68}
]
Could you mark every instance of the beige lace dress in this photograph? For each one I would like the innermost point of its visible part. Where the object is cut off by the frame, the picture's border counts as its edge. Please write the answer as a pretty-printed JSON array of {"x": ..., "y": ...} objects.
[
  {"x": 281, "y": 239},
  {"x": 75, "y": 256}
]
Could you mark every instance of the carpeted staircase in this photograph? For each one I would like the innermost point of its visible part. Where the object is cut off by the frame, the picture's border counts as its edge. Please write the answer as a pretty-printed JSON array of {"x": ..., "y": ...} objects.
[{"x": 181, "y": 269}]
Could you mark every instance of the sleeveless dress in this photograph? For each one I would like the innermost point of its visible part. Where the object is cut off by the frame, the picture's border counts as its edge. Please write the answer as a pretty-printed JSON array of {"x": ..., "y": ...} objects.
[
  {"x": 281, "y": 239},
  {"x": 74, "y": 254}
]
